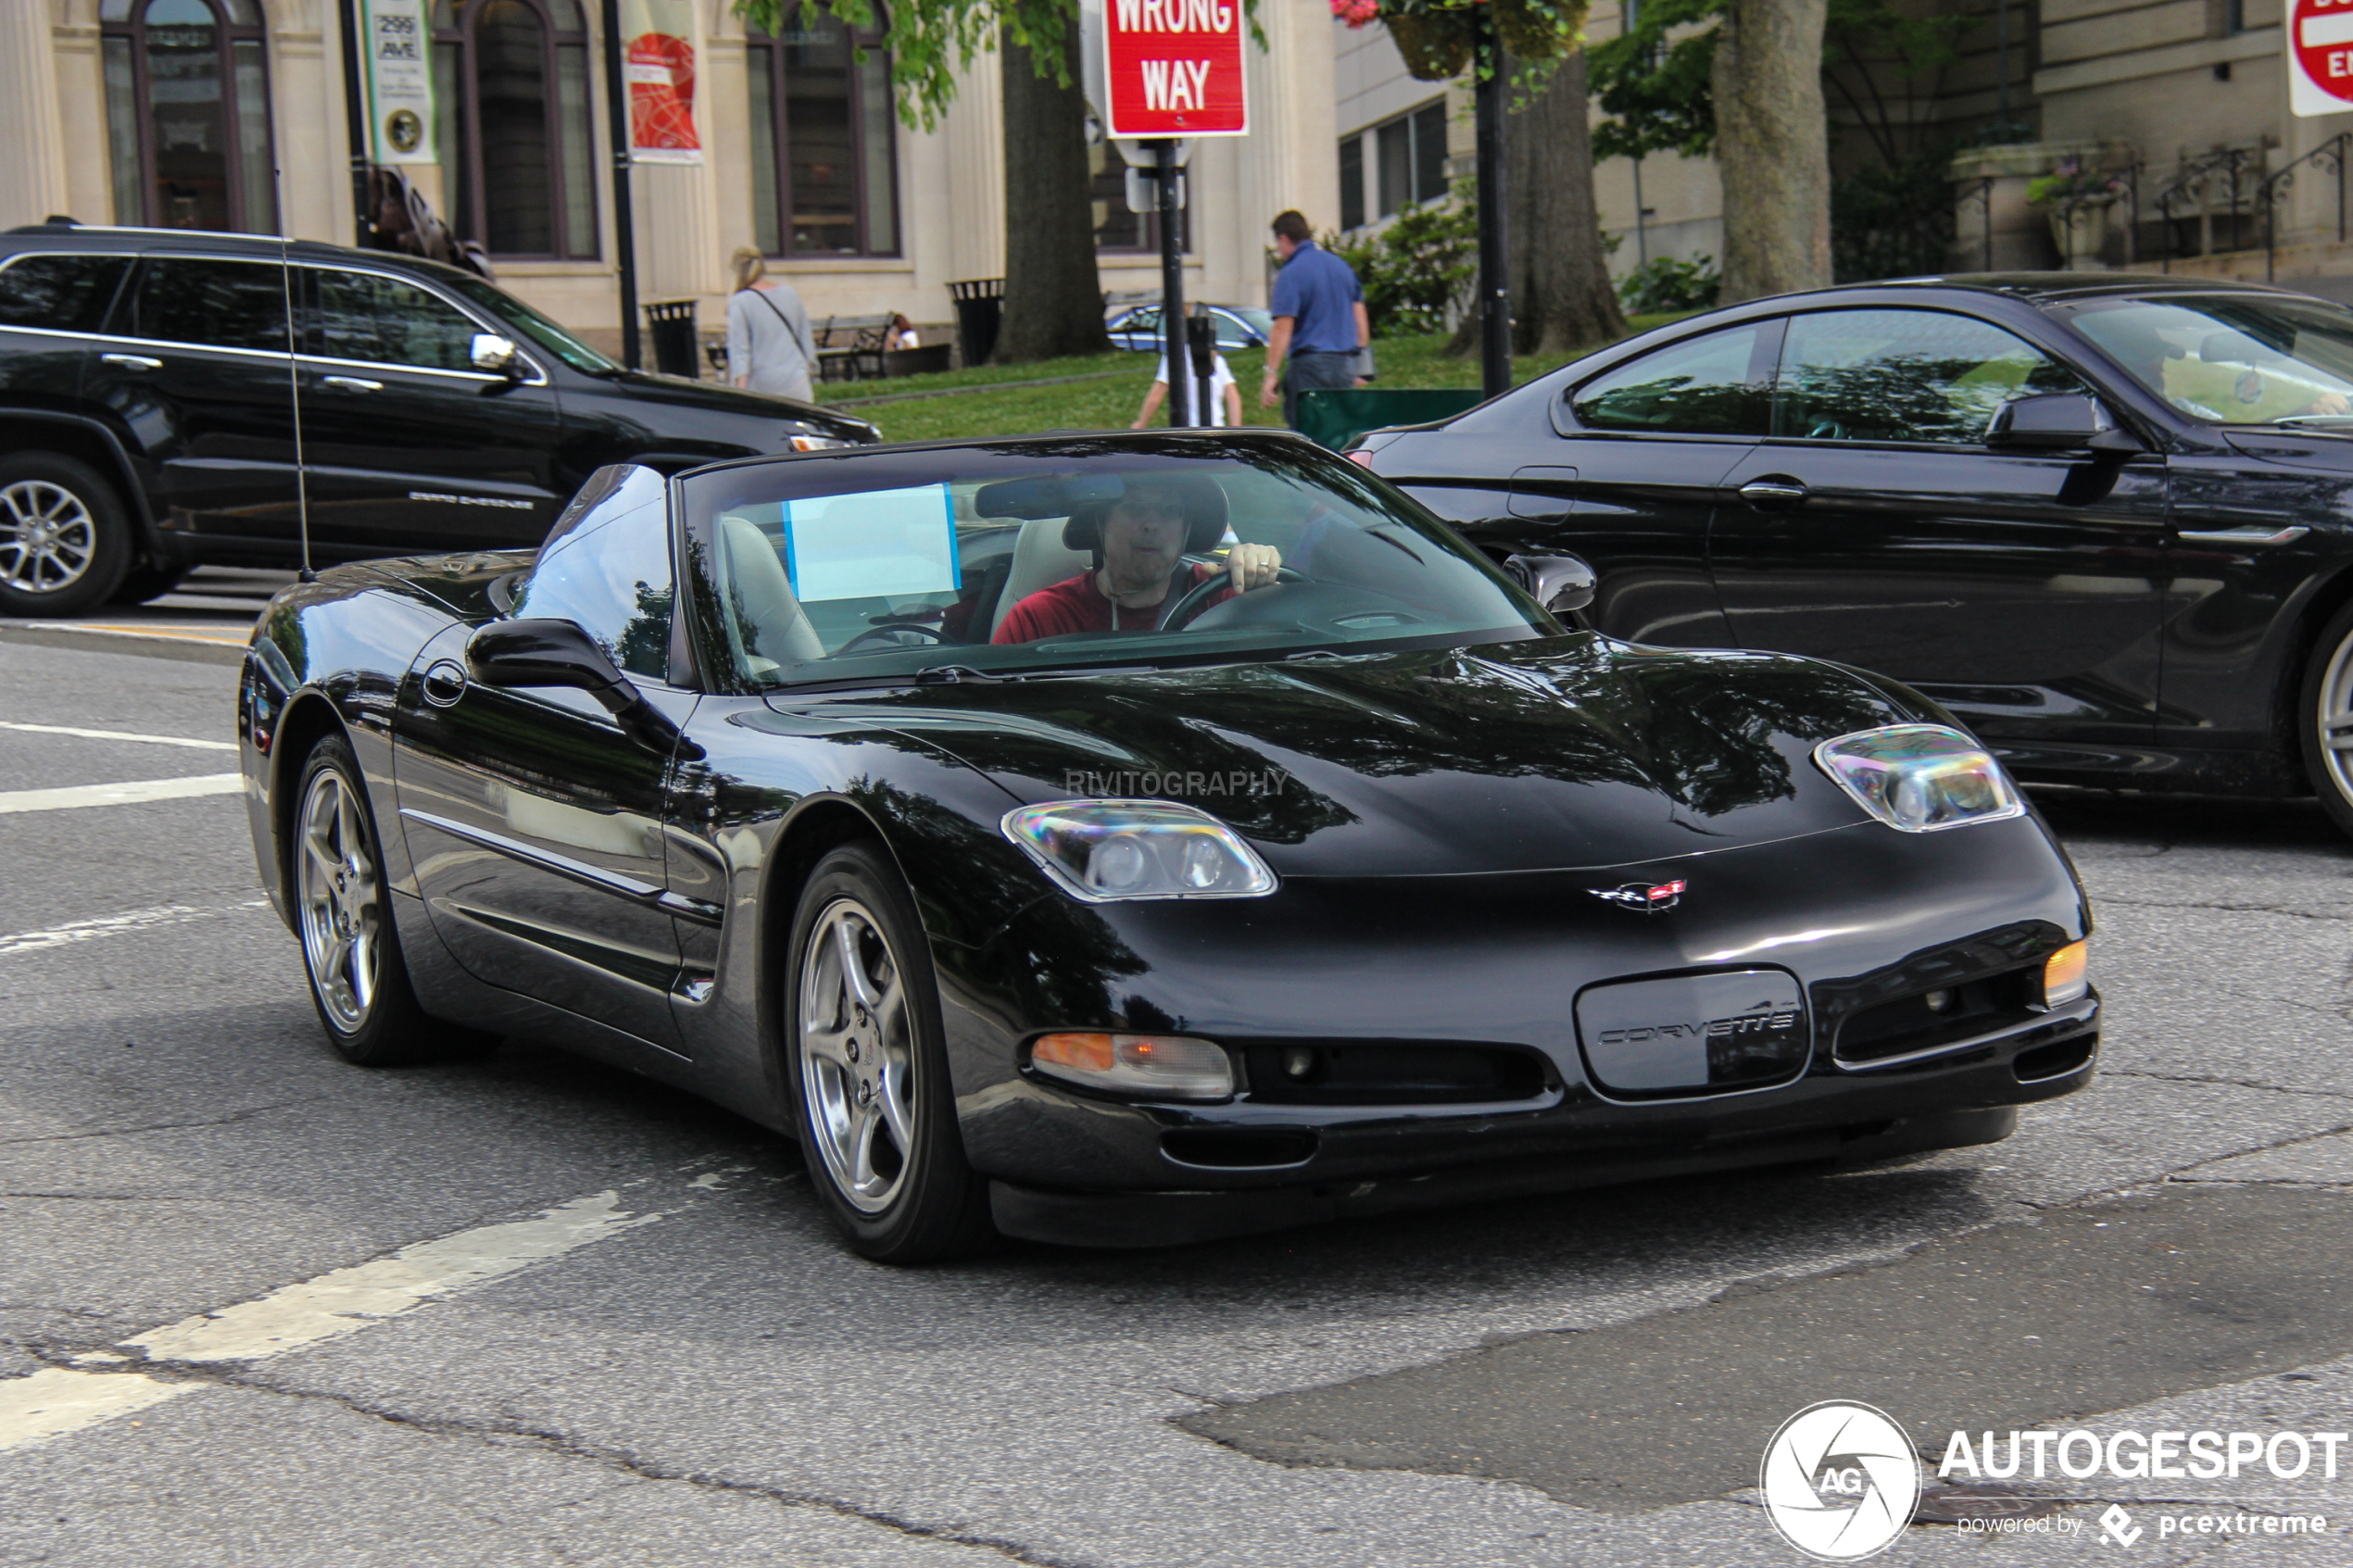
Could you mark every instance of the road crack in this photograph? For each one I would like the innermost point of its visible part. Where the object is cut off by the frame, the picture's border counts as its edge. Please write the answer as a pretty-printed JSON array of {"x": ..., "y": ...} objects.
[{"x": 231, "y": 1120}]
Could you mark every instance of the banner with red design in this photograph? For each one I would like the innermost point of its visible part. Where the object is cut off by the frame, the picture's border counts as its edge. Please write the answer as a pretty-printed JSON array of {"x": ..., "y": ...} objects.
[{"x": 658, "y": 54}]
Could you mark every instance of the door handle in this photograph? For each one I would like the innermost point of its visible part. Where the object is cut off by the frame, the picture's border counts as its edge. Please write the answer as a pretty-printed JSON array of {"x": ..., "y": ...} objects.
[
  {"x": 131, "y": 362},
  {"x": 2256, "y": 534},
  {"x": 351, "y": 383},
  {"x": 1775, "y": 491},
  {"x": 444, "y": 682}
]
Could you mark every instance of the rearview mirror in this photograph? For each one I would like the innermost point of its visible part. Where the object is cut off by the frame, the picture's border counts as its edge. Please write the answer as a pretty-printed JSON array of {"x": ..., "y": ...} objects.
[
  {"x": 547, "y": 652},
  {"x": 2057, "y": 422},
  {"x": 1561, "y": 583},
  {"x": 494, "y": 355}
]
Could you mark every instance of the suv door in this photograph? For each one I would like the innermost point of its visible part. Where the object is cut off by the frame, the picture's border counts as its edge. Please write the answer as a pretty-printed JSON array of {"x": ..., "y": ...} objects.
[
  {"x": 1876, "y": 527},
  {"x": 409, "y": 447},
  {"x": 192, "y": 374}
]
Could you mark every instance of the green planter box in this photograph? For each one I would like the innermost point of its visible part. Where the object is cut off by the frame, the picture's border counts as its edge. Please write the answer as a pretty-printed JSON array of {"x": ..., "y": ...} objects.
[{"x": 1334, "y": 419}]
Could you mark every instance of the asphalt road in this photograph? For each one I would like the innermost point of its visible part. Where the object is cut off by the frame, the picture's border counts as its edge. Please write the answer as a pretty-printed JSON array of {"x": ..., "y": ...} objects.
[{"x": 691, "y": 1371}]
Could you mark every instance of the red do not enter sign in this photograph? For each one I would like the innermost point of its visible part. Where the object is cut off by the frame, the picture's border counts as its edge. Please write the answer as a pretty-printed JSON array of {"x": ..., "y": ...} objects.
[
  {"x": 2321, "y": 56},
  {"x": 1174, "y": 68}
]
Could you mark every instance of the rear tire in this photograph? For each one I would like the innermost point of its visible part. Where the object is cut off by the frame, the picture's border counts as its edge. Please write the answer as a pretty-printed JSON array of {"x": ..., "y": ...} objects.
[
  {"x": 65, "y": 537},
  {"x": 868, "y": 1066},
  {"x": 2324, "y": 719},
  {"x": 342, "y": 913}
]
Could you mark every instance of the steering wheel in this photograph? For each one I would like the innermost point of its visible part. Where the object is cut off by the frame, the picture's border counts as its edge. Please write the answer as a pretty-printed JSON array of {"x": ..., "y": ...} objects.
[
  {"x": 1208, "y": 588},
  {"x": 894, "y": 631}
]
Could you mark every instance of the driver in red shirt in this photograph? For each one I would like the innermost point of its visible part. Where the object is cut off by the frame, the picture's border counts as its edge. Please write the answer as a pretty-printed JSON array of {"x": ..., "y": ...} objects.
[{"x": 1143, "y": 535}]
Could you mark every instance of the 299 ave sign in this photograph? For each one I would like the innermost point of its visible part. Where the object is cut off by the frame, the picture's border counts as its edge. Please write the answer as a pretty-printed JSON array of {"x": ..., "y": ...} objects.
[{"x": 1174, "y": 68}]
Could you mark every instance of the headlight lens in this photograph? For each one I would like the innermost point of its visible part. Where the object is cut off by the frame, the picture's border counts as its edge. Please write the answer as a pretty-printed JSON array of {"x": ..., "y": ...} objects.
[
  {"x": 2067, "y": 973},
  {"x": 1921, "y": 777},
  {"x": 1102, "y": 850},
  {"x": 1165, "y": 1066}
]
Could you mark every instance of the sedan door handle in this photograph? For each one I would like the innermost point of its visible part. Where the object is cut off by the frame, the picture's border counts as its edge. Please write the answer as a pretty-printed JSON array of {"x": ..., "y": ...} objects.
[
  {"x": 131, "y": 362},
  {"x": 2258, "y": 535},
  {"x": 1774, "y": 492},
  {"x": 351, "y": 383}
]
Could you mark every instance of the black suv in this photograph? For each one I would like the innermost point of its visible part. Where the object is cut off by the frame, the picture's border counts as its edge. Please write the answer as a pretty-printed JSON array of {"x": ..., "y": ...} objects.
[{"x": 149, "y": 380}]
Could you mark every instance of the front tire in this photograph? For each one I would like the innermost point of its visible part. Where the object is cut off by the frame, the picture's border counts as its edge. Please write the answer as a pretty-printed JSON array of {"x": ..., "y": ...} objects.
[
  {"x": 2324, "y": 719},
  {"x": 868, "y": 1067},
  {"x": 65, "y": 539},
  {"x": 343, "y": 912}
]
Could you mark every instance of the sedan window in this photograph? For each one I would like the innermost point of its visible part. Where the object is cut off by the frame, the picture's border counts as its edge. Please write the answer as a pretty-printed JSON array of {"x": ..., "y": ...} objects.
[
  {"x": 1711, "y": 385},
  {"x": 380, "y": 320},
  {"x": 64, "y": 292},
  {"x": 2232, "y": 360},
  {"x": 1904, "y": 375},
  {"x": 212, "y": 304}
]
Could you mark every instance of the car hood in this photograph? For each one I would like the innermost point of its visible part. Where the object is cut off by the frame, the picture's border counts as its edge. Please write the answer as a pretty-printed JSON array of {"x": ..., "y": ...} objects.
[
  {"x": 642, "y": 387},
  {"x": 1558, "y": 752}
]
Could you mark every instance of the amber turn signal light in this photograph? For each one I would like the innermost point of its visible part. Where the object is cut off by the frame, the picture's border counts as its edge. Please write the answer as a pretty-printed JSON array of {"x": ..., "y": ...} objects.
[
  {"x": 2066, "y": 973},
  {"x": 1159, "y": 1066}
]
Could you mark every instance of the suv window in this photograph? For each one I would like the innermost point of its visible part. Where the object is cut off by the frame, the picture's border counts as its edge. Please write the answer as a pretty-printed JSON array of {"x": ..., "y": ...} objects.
[
  {"x": 1904, "y": 375},
  {"x": 608, "y": 572},
  {"x": 382, "y": 321},
  {"x": 67, "y": 294},
  {"x": 1710, "y": 385},
  {"x": 211, "y": 303}
]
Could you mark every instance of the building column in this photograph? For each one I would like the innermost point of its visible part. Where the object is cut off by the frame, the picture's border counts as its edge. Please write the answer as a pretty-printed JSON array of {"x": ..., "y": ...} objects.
[{"x": 32, "y": 175}]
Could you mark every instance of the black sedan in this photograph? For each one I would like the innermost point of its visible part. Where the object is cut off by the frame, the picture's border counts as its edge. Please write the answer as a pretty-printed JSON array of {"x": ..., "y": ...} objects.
[
  {"x": 2105, "y": 520},
  {"x": 1139, "y": 838}
]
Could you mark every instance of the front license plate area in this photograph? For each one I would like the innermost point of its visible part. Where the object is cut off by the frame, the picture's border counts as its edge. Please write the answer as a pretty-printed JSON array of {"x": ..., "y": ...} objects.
[{"x": 1695, "y": 1033}]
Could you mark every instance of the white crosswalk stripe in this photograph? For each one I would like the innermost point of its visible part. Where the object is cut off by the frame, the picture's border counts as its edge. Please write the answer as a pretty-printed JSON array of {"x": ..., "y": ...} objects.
[
  {"x": 137, "y": 790},
  {"x": 118, "y": 734}
]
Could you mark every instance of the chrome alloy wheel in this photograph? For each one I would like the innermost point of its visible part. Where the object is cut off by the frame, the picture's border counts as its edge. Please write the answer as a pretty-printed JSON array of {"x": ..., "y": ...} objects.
[
  {"x": 857, "y": 1056},
  {"x": 341, "y": 911},
  {"x": 2335, "y": 719},
  {"x": 47, "y": 537}
]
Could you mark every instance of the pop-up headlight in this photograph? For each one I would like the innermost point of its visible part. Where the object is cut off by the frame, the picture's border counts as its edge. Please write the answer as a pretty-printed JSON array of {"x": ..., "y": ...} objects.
[
  {"x": 1919, "y": 778},
  {"x": 1102, "y": 850}
]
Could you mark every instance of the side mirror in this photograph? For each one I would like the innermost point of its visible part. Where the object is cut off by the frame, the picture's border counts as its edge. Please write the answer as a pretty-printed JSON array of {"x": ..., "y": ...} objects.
[
  {"x": 2057, "y": 422},
  {"x": 1561, "y": 583},
  {"x": 547, "y": 652},
  {"x": 495, "y": 355}
]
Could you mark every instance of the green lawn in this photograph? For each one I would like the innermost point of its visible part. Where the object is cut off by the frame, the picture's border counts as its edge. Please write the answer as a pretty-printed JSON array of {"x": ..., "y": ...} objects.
[{"x": 1011, "y": 408}]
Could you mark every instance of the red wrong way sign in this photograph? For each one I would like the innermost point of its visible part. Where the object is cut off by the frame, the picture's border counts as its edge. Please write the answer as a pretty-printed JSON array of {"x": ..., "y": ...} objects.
[
  {"x": 2319, "y": 57},
  {"x": 1174, "y": 68}
]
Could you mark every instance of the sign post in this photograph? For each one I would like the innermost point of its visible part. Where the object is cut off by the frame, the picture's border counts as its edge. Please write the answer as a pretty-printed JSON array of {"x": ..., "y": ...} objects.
[
  {"x": 2319, "y": 58},
  {"x": 1171, "y": 70}
]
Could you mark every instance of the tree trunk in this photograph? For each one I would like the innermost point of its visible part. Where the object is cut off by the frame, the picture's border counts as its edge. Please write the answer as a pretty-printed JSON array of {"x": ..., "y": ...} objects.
[
  {"x": 1772, "y": 147},
  {"x": 1053, "y": 301},
  {"x": 1562, "y": 298}
]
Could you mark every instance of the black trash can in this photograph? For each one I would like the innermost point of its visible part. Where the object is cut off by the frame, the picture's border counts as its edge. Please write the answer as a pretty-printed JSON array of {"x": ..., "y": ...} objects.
[
  {"x": 672, "y": 324},
  {"x": 980, "y": 307}
]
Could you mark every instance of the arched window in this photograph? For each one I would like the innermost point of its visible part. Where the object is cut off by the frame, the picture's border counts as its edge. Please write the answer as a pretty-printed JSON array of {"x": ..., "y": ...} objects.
[
  {"x": 188, "y": 114},
  {"x": 824, "y": 178},
  {"x": 510, "y": 91}
]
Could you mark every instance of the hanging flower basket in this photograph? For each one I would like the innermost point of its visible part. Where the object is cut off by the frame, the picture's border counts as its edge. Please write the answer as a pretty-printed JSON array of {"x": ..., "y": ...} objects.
[
  {"x": 1537, "y": 30},
  {"x": 1438, "y": 45}
]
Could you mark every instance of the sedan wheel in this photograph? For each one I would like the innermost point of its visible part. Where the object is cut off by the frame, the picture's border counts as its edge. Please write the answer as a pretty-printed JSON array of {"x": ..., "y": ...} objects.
[
  {"x": 343, "y": 912},
  {"x": 2327, "y": 719},
  {"x": 869, "y": 1068},
  {"x": 64, "y": 540}
]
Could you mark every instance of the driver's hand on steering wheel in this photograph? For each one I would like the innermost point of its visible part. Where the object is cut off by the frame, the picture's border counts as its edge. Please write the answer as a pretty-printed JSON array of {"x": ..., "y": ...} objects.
[{"x": 1252, "y": 566}]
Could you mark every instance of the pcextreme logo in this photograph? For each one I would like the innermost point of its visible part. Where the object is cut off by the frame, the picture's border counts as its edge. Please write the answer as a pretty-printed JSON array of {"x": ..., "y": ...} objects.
[{"x": 1839, "y": 1481}]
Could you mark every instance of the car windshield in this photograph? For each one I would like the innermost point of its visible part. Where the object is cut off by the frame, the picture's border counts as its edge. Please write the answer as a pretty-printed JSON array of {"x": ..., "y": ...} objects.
[
  {"x": 1010, "y": 559},
  {"x": 1260, "y": 321},
  {"x": 2234, "y": 360},
  {"x": 529, "y": 323}
]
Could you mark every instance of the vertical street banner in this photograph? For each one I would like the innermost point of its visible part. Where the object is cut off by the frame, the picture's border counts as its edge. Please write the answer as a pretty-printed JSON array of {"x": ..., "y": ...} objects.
[
  {"x": 1174, "y": 68},
  {"x": 398, "y": 40},
  {"x": 658, "y": 54},
  {"x": 2319, "y": 57}
]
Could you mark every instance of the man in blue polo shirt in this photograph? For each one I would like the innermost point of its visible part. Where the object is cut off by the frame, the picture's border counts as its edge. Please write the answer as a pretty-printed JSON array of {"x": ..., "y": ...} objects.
[{"x": 1319, "y": 318}]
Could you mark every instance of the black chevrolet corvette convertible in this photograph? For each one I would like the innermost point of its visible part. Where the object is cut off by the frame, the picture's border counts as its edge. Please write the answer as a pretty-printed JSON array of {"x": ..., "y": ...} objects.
[{"x": 1134, "y": 839}]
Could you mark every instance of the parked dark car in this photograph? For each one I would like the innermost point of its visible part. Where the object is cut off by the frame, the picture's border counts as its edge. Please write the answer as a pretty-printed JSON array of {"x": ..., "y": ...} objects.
[
  {"x": 1138, "y": 327},
  {"x": 1372, "y": 887},
  {"x": 2105, "y": 520},
  {"x": 148, "y": 389}
]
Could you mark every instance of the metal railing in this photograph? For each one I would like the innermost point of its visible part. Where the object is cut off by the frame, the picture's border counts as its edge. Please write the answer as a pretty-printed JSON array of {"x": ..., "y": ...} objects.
[
  {"x": 2230, "y": 172},
  {"x": 2330, "y": 155}
]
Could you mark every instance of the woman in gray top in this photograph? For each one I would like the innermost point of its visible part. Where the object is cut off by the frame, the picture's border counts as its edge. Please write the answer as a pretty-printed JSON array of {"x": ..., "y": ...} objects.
[{"x": 768, "y": 347}]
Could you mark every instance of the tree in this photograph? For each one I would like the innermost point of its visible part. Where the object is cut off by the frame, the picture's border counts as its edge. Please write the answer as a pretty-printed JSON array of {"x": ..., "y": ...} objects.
[
  {"x": 1053, "y": 296},
  {"x": 1561, "y": 297},
  {"x": 1772, "y": 147}
]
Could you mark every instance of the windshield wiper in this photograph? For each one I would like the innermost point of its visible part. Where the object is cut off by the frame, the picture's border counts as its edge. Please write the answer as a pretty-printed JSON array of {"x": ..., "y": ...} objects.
[{"x": 952, "y": 675}]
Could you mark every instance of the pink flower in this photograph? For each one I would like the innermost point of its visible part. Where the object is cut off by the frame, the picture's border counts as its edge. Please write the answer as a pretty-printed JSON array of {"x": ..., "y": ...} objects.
[{"x": 1356, "y": 13}]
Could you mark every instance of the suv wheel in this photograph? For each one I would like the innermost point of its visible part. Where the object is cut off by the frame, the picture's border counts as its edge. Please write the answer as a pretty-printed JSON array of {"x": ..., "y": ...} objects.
[{"x": 65, "y": 540}]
